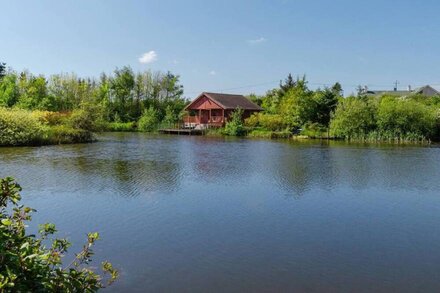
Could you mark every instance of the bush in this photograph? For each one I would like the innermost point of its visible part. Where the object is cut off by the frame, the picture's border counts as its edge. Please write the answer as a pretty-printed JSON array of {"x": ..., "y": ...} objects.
[
  {"x": 401, "y": 117},
  {"x": 50, "y": 118},
  {"x": 121, "y": 126},
  {"x": 63, "y": 134},
  {"x": 354, "y": 118},
  {"x": 264, "y": 133},
  {"x": 274, "y": 122},
  {"x": 314, "y": 130},
  {"x": 28, "y": 265},
  {"x": 88, "y": 117},
  {"x": 234, "y": 127},
  {"x": 19, "y": 127},
  {"x": 149, "y": 120}
]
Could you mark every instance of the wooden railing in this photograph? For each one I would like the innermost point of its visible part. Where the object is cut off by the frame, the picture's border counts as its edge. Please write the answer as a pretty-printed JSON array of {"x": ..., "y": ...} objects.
[
  {"x": 216, "y": 119},
  {"x": 191, "y": 119}
]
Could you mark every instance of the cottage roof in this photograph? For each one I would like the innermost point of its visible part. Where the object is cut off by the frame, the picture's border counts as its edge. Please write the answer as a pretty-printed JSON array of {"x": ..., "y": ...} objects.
[{"x": 230, "y": 101}]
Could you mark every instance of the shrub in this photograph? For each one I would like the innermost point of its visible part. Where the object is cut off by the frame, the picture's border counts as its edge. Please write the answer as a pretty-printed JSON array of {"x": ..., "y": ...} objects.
[
  {"x": 50, "y": 118},
  {"x": 19, "y": 127},
  {"x": 234, "y": 127},
  {"x": 62, "y": 134},
  {"x": 28, "y": 265},
  {"x": 120, "y": 126},
  {"x": 314, "y": 130},
  {"x": 88, "y": 117},
  {"x": 405, "y": 116},
  {"x": 149, "y": 120},
  {"x": 274, "y": 122},
  {"x": 354, "y": 118}
]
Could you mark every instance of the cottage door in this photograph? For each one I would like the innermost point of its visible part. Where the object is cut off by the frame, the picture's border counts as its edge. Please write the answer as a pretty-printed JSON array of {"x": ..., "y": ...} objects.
[{"x": 204, "y": 119}]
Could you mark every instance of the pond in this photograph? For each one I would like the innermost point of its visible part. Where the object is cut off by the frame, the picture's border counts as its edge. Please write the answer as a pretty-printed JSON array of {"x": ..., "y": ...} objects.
[{"x": 200, "y": 214}]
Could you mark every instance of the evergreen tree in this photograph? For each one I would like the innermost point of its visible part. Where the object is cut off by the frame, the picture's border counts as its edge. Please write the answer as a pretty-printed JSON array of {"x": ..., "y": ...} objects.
[{"x": 2, "y": 70}]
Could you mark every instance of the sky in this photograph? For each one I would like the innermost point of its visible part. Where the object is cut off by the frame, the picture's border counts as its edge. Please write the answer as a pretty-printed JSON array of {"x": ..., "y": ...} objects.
[{"x": 229, "y": 46}]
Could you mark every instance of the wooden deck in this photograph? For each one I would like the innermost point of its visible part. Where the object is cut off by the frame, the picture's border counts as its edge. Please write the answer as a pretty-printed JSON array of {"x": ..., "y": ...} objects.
[{"x": 181, "y": 131}]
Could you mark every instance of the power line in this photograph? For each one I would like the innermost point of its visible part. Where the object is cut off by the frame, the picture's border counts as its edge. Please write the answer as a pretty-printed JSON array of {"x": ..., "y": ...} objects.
[{"x": 309, "y": 83}]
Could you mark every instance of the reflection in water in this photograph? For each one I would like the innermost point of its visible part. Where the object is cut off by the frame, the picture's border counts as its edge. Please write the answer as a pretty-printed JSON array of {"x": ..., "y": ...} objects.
[{"x": 204, "y": 214}]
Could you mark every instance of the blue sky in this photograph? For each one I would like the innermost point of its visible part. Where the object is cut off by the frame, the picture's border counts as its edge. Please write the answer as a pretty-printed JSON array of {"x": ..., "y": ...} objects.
[{"x": 230, "y": 46}]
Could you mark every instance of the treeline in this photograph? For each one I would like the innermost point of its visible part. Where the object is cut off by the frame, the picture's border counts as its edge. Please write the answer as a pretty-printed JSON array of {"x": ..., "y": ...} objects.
[
  {"x": 120, "y": 97},
  {"x": 293, "y": 108},
  {"x": 62, "y": 108}
]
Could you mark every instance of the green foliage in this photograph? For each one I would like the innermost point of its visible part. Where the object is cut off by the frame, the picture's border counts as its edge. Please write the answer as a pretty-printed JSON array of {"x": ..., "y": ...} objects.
[
  {"x": 63, "y": 134},
  {"x": 19, "y": 127},
  {"x": 388, "y": 118},
  {"x": 2, "y": 70},
  {"x": 264, "y": 133},
  {"x": 88, "y": 117},
  {"x": 315, "y": 130},
  {"x": 121, "y": 97},
  {"x": 405, "y": 116},
  {"x": 354, "y": 118},
  {"x": 272, "y": 122},
  {"x": 27, "y": 264},
  {"x": 289, "y": 84},
  {"x": 325, "y": 104},
  {"x": 8, "y": 90},
  {"x": 298, "y": 106},
  {"x": 234, "y": 126},
  {"x": 170, "y": 116},
  {"x": 149, "y": 120},
  {"x": 121, "y": 126},
  {"x": 22, "y": 127}
]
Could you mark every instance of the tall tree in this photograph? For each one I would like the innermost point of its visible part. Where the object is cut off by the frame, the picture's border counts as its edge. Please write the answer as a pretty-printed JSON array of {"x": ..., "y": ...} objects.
[
  {"x": 122, "y": 86},
  {"x": 2, "y": 70},
  {"x": 289, "y": 83}
]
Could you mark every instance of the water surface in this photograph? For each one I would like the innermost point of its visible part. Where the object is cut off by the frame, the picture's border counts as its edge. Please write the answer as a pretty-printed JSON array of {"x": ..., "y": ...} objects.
[{"x": 199, "y": 214}]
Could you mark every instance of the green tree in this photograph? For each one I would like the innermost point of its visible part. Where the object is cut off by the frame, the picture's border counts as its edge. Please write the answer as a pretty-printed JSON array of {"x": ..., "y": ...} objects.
[
  {"x": 401, "y": 117},
  {"x": 337, "y": 89},
  {"x": 149, "y": 120},
  {"x": 326, "y": 102},
  {"x": 298, "y": 105},
  {"x": 33, "y": 93},
  {"x": 2, "y": 70},
  {"x": 234, "y": 126},
  {"x": 9, "y": 93},
  {"x": 353, "y": 119},
  {"x": 289, "y": 83},
  {"x": 170, "y": 117},
  {"x": 122, "y": 85}
]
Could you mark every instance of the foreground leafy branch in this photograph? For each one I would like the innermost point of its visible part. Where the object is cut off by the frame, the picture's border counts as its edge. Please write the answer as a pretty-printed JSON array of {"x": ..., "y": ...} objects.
[{"x": 28, "y": 265}]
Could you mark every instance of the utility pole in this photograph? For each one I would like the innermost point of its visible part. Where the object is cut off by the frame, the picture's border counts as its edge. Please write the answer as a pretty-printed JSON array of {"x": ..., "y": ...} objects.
[{"x": 395, "y": 85}]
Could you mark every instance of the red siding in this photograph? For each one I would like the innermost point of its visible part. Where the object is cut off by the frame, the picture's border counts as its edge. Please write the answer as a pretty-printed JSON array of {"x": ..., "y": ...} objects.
[{"x": 204, "y": 103}]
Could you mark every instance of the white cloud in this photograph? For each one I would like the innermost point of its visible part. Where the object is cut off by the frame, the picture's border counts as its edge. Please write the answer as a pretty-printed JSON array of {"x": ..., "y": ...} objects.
[
  {"x": 212, "y": 72},
  {"x": 148, "y": 57},
  {"x": 257, "y": 41}
]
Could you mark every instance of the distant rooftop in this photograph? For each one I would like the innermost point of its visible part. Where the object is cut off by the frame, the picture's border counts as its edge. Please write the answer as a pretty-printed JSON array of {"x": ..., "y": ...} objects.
[{"x": 426, "y": 90}]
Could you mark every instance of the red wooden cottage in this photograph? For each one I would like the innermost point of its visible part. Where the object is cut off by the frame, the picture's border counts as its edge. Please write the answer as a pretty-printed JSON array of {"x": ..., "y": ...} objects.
[{"x": 213, "y": 109}]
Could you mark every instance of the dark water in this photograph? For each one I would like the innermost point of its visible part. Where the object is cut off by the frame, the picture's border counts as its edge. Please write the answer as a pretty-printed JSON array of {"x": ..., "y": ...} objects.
[{"x": 197, "y": 214}]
